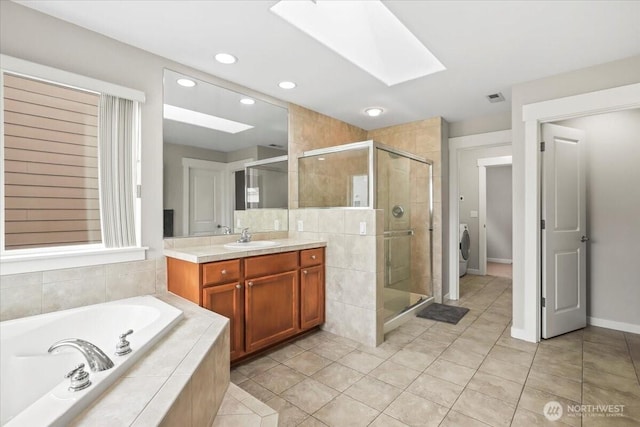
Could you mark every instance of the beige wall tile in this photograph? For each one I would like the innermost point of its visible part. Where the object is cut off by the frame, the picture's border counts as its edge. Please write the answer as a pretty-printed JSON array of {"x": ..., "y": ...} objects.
[
  {"x": 86, "y": 273},
  {"x": 20, "y": 300},
  {"x": 72, "y": 293}
]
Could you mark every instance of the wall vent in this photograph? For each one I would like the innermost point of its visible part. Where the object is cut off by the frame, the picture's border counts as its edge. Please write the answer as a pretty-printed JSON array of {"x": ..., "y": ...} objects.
[{"x": 495, "y": 97}]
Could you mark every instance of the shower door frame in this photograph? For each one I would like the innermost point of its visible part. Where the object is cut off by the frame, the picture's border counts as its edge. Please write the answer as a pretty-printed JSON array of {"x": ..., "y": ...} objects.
[
  {"x": 372, "y": 159},
  {"x": 402, "y": 316}
]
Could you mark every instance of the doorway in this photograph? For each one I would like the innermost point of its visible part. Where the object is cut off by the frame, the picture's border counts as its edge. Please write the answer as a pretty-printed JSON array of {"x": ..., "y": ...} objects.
[
  {"x": 460, "y": 207},
  {"x": 527, "y": 299},
  {"x": 495, "y": 232}
]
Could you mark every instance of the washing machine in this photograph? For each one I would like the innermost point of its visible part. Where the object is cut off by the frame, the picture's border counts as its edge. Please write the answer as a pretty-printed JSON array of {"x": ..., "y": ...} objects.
[{"x": 465, "y": 247}]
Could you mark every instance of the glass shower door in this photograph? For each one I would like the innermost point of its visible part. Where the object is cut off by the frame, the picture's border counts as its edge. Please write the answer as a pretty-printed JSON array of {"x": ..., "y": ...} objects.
[{"x": 403, "y": 192}]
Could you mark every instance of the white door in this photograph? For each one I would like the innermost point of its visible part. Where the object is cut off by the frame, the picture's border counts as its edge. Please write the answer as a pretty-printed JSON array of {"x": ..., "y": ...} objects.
[
  {"x": 205, "y": 201},
  {"x": 564, "y": 235}
]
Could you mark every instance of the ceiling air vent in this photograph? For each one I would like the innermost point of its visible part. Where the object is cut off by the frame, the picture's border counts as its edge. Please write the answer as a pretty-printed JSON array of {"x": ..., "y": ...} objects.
[{"x": 495, "y": 97}]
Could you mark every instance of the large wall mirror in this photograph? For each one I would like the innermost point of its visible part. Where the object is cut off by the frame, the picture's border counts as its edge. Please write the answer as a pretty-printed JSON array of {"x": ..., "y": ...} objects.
[{"x": 225, "y": 160}]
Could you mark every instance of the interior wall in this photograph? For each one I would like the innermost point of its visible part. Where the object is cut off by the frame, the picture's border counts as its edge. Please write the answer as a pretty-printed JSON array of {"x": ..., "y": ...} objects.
[
  {"x": 603, "y": 76},
  {"x": 499, "y": 213},
  {"x": 469, "y": 188},
  {"x": 613, "y": 209},
  {"x": 482, "y": 124}
]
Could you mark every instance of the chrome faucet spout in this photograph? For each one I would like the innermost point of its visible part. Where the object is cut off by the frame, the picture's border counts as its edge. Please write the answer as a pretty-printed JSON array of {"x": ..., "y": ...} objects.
[
  {"x": 96, "y": 358},
  {"x": 245, "y": 237}
]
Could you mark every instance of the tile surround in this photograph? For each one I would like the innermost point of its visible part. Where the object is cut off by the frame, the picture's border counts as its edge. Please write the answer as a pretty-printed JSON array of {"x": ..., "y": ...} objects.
[{"x": 46, "y": 291}]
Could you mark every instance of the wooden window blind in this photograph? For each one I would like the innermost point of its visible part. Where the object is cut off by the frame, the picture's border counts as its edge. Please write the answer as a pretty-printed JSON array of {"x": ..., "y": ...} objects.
[{"x": 50, "y": 164}]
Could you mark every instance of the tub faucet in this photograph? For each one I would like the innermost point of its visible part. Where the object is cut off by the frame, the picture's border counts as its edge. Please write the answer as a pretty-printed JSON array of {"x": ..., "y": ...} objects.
[
  {"x": 245, "y": 237},
  {"x": 97, "y": 360}
]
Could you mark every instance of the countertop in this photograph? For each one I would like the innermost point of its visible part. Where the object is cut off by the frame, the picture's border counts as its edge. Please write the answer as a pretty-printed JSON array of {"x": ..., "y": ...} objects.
[{"x": 210, "y": 253}]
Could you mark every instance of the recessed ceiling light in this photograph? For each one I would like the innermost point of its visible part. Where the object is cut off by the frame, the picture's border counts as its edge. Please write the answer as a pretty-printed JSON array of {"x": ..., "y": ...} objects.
[
  {"x": 247, "y": 101},
  {"x": 186, "y": 82},
  {"x": 178, "y": 114},
  {"x": 373, "y": 112},
  {"x": 226, "y": 58},
  {"x": 287, "y": 85},
  {"x": 365, "y": 33}
]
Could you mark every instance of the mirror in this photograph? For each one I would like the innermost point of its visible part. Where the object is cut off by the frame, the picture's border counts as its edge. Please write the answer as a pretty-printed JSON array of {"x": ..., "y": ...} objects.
[{"x": 225, "y": 160}]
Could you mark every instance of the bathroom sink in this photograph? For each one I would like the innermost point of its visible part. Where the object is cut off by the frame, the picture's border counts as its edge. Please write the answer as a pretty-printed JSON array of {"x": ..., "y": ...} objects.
[{"x": 256, "y": 244}]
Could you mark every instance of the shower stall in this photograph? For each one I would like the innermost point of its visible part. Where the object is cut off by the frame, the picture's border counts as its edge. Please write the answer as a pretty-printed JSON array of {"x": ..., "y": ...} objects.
[{"x": 370, "y": 175}]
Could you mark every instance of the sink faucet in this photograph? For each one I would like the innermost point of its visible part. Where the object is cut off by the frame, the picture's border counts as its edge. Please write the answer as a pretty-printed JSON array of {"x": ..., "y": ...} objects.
[
  {"x": 97, "y": 360},
  {"x": 245, "y": 237},
  {"x": 226, "y": 230}
]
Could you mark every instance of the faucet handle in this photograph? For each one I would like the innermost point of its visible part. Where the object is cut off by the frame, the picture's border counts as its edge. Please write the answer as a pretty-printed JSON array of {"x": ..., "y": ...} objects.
[
  {"x": 79, "y": 378},
  {"x": 123, "y": 347}
]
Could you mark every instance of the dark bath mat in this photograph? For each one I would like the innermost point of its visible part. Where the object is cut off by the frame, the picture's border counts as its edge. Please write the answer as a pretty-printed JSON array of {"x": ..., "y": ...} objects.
[{"x": 443, "y": 313}]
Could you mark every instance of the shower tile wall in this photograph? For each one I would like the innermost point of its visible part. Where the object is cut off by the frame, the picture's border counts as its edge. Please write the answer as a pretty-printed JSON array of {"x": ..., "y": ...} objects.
[
  {"x": 309, "y": 130},
  {"x": 354, "y": 276}
]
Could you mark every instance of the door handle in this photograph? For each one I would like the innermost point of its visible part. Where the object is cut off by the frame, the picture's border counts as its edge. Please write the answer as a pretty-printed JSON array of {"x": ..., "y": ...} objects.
[{"x": 584, "y": 239}]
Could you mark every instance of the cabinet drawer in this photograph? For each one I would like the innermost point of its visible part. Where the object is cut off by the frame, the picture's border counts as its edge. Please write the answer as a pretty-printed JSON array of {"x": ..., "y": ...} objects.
[
  {"x": 220, "y": 272},
  {"x": 270, "y": 264},
  {"x": 310, "y": 257}
]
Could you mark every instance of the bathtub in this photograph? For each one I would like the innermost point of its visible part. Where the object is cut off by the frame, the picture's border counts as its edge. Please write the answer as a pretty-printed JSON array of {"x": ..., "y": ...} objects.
[{"x": 33, "y": 390}]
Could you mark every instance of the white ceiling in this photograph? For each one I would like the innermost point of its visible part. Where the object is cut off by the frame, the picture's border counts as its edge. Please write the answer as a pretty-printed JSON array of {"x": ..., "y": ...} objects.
[{"x": 486, "y": 46}]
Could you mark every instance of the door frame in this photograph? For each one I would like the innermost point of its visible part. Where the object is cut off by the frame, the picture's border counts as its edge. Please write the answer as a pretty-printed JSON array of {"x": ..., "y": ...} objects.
[
  {"x": 456, "y": 146},
  {"x": 187, "y": 165},
  {"x": 533, "y": 115},
  {"x": 482, "y": 205}
]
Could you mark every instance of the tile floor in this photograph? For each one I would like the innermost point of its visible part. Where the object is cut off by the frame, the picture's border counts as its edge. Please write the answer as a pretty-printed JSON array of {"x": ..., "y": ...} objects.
[
  {"x": 436, "y": 374},
  {"x": 499, "y": 269}
]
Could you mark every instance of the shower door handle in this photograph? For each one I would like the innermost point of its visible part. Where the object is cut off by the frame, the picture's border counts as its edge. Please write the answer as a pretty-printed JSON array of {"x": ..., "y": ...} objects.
[{"x": 395, "y": 233}]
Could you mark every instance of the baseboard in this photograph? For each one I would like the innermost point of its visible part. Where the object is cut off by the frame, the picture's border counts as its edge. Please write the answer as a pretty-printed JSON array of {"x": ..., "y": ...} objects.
[
  {"x": 473, "y": 271},
  {"x": 445, "y": 298},
  {"x": 500, "y": 260},
  {"x": 612, "y": 324},
  {"x": 522, "y": 334}
]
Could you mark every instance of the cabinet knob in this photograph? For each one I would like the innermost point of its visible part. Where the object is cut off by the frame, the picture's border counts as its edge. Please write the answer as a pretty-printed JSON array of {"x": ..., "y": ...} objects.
[
  {"x": 313, "y": 257},
  {"x": 223, "y": 272},
  {"x": 250, "y": 283},
  {"x": 238, "y": 286},
  {"x": 304, "y": 272}
]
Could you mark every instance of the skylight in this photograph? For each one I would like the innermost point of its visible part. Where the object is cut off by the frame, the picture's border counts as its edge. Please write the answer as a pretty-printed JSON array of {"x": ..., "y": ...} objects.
[
  {"x": 365, "y": 33},
  {"x": 171, "y": 112}
]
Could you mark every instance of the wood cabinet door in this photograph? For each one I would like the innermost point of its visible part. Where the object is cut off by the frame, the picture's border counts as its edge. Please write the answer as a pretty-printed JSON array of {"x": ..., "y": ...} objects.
[
  {"x": 228, "y": 300},
  {"x": 311, "y": 297},
  {"x": 271, "y": 309}
]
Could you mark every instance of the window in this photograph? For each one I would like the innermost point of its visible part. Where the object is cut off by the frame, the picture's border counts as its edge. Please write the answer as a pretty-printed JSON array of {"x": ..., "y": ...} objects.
[
  {"x": 70, "y": 169},
  {"x": 51, "y": 164}
]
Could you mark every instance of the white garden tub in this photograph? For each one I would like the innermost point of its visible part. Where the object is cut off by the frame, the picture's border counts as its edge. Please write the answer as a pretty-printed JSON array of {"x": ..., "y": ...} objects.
[{"x": 33, "y": 390}]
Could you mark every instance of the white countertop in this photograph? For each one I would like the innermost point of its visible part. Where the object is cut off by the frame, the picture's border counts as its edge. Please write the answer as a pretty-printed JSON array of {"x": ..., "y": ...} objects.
[{"x": 210, "y": 253}]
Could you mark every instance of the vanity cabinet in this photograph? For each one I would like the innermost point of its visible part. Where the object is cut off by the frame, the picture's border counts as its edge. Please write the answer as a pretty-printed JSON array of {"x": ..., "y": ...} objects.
[
  {"x": 268, "y": 298},
  {"x": 311, "y": 288},
  {"x": 228, "y": 300}
]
